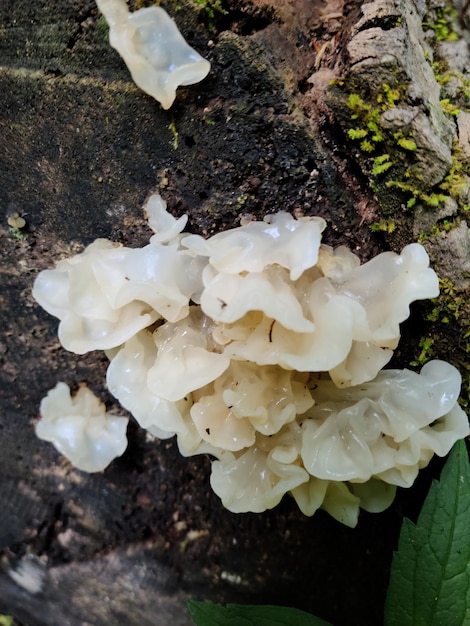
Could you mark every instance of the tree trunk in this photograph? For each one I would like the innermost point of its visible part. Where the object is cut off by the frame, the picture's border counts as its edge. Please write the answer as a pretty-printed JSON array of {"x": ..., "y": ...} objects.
[{"x": 81, "y": 149}]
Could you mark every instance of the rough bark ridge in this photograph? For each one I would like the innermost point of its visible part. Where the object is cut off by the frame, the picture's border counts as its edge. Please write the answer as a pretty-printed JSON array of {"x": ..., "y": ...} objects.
[{"x": 267, "y": 130}]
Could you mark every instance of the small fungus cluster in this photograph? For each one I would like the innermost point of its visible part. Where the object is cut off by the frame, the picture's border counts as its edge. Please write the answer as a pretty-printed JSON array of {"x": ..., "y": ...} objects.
[{"x": 264, "y": 349}]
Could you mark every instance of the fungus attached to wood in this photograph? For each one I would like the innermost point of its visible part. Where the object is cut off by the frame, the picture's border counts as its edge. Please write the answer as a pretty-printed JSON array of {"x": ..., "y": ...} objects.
[{"x": 268, "y": 356}]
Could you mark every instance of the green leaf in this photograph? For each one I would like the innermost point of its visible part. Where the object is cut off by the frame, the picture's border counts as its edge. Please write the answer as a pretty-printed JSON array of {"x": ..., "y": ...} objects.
[
  {"x": 209, "y": 614},
  {"x": 430, "y": 576}
]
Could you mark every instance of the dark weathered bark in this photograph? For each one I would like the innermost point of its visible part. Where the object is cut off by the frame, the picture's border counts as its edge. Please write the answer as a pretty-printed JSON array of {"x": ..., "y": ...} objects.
[{"x": 81, "y": 148}]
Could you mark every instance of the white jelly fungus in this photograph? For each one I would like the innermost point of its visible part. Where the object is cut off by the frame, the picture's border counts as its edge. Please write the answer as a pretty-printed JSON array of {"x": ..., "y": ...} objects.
[
  {"x": 155, "y": 52},
  {"x": 80, "y": 428},
  {"x": 264, "y": 348}
]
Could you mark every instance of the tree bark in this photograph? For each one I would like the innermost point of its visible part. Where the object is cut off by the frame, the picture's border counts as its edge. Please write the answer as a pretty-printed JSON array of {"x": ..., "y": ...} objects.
[{"x": 82, "y": 147}]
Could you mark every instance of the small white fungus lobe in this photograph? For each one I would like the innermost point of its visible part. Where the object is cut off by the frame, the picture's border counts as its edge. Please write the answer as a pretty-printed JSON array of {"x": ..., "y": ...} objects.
[
  {"x": 155, "y": 52},
  {"x": 263, "y": 348},
  {"x": 80, "y": 428}
]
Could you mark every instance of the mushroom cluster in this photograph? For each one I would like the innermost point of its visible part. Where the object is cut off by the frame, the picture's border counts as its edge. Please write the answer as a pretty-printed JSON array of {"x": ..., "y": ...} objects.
[{"x": 264, "y": 348}]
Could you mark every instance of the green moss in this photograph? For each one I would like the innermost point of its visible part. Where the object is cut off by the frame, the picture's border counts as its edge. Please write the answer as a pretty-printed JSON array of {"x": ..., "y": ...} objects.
[
  {"x": 443, "y": 226},
  {"x": 16, "y": 233},
  {"x": 212, "y": 9},
  {"x": 243, "y": 199},
  {"x": 442, "y": 26},
  {"x": 382, "y": 163},
  {"x": 102, "y": 29},
  {"x": 432, "y": 199},
  {"x": 404, "y": 142},
  {"x": 174, "y": 131},
  {"x": 449, "y": 310},
  {"x": 357, "y": 133},
  {"x": 454, "y": 185},
  {"x": 389, "y": 97},
  {"x": 448, "y": 305},
  {"x": 397, "y": 170},
  {"x": 459, "y": 97},
  {"x": 377, "y": 134},
  {"x": 368, "y": 130},
  {"x": 357, "y": 105},
  {"x": 367, "y": 146},
  {"x": 384, "y": 226},
  {"x": 449, "y": 108},
  {"x": 385, "y": 154},
  {"x": 456, "y": 181},
  {"x": 427, "y": 351}
]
